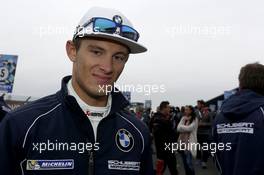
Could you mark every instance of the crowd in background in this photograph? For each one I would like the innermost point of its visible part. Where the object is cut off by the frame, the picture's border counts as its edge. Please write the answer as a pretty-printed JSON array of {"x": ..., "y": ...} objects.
[
  {"x": 239, "y": 123},
  {"x": 171, "y": 124}
]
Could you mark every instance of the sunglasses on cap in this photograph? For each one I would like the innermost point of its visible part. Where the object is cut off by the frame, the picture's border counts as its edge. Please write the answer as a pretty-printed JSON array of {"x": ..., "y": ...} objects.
[{"x": 114, "y": 26}]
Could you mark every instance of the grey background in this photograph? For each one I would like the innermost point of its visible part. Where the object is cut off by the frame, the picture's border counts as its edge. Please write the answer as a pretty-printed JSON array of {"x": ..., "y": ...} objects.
[{"x": 196, "y": 48}]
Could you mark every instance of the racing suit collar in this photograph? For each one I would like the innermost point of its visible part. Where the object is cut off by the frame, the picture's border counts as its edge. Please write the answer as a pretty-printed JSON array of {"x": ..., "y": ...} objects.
[{"x": 119, "y": 102}]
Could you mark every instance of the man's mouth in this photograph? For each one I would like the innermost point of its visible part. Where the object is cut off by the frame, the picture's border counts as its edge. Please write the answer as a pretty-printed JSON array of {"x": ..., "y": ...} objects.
[{"x": 102, "y": 79}]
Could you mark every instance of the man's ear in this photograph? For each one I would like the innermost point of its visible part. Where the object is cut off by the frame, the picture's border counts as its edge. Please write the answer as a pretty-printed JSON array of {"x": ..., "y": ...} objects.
[{"x": 71, "y": 50}]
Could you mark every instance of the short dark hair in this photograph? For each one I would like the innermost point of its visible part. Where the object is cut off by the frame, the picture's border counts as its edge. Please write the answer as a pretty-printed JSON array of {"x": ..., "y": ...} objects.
[
  {"x": 201, "y": 102},
  {"x": 77, "y": 43},
  {"x": 163, "y": 105},
  {"x": 251, "y": 77}
]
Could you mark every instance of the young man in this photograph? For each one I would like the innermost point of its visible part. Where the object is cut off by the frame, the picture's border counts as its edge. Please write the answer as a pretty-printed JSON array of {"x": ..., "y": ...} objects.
[
  {"x": 204, "y": 132},
  {"x": 83, "y": 129},
  {"x": 163, "y": 135},
  {"x": 240, "y": 126}
]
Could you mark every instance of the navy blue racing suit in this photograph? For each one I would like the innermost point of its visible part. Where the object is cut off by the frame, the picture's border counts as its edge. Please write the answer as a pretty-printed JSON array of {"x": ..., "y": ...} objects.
[
  {"x": 239, "y": 130},
  {"x": 53, "y": 136}
]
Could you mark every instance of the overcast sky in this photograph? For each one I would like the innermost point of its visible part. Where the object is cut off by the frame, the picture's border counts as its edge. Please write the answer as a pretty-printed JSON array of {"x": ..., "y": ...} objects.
[{"x": 195, "y": 48}]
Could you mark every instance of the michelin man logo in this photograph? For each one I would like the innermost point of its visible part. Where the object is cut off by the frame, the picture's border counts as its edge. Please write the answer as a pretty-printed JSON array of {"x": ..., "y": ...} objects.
[
  {"x": 33, "y": 165},
  {"x": 124, "y": 140}
]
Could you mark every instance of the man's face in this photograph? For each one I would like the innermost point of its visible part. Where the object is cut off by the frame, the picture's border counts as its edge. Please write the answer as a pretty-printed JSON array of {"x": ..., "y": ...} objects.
[
  {"x": 97, "y": 64},
  {"x": 167, "y": 110},
  {"x": 199, "y": 105}
]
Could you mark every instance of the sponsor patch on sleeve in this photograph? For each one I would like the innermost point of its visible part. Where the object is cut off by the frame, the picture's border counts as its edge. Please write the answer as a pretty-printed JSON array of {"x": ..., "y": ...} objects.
[{"x": 50, "y": 164}]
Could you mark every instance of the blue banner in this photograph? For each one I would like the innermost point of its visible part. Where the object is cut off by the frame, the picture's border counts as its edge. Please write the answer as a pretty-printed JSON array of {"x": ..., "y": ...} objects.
[{"x": 7, "y": 72}]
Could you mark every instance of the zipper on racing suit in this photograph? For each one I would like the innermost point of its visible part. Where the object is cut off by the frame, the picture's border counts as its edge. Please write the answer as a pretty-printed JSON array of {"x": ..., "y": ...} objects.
[
  {"x": 92, "y": 152},
  {"x": 91, "y": 163}
]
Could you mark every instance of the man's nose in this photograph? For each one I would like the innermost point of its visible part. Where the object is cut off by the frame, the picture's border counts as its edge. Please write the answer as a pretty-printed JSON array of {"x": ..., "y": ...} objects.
[{"x": 107, "y": 65}]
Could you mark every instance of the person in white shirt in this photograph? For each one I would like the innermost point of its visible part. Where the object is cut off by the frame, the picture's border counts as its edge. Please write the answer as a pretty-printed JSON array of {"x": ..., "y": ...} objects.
[{"x": 188, "y": 136}]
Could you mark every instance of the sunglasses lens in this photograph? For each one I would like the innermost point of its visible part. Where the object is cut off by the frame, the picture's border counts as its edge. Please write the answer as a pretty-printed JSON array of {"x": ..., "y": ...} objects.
[
  {"x": 104, "y": 25},
  {"x": 109, "y": 26},
  {"x": 130, "y": 33}
]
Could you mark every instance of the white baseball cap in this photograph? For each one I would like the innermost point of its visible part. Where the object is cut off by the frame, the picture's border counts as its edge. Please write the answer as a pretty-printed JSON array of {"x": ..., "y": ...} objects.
[{"x": 85, "y": 28}]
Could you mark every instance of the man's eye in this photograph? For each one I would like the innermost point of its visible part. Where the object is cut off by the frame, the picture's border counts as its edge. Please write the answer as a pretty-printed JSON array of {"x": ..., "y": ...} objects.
[
  {"x": 120, "y": 58},
  {"x": 96, "y": 52}
]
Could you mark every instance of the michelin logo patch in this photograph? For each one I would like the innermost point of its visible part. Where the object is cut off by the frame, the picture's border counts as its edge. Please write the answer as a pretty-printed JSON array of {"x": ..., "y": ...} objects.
[
  {"x": 124, "y": 140},
  {"x": 50, "y": 164},
  {"x": 123, "y": 165},
  {"x": 230, "y": 128}
]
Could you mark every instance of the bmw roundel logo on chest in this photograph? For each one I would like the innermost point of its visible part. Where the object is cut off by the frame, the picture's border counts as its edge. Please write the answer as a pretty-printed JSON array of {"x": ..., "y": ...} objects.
[{"x": 124, "y": 140}]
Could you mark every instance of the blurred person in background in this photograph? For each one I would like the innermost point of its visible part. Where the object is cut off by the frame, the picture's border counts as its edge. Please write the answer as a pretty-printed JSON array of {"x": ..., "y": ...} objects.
[
  {"x": 188, "y": 135},
  {"x": 240, "y": 124},
  {"x": 163, "y": 133},
  {"x": 174, "y": 120},
  {"x": 204, "y": 134},
  {"x": 146, "y": 116}
]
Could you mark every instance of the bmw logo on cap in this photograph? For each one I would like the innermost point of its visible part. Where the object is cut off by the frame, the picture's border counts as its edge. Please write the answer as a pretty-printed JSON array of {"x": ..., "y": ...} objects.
[
  {"x": 124, "y": 140},
  {"x": 117, "y": 19}
]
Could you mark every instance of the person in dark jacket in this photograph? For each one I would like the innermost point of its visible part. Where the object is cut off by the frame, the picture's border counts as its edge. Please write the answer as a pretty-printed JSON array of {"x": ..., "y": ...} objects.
[
  {"x": 240, "y": 124},
  {"x": 204, "y": 134},
  {"x": 164, "y": 134},
  {"x": 4, "y": 108},
  {"x": 84, "y": 128}
]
